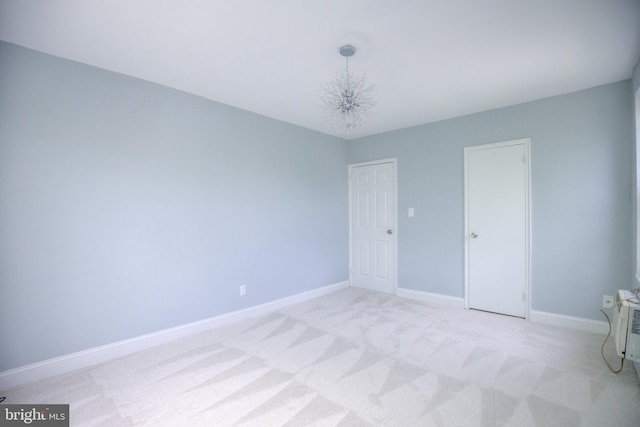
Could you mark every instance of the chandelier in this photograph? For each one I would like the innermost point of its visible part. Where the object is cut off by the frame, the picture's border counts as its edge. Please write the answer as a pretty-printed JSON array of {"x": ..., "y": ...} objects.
[{"x": 348, "y": 98}]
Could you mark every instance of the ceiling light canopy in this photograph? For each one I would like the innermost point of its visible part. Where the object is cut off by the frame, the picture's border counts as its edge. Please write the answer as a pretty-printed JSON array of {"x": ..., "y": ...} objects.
[{"x": 348, "y": 98}]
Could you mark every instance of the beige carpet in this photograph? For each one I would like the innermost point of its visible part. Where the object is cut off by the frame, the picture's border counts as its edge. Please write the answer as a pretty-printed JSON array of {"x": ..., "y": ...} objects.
[{"x": 356, "y": 358}]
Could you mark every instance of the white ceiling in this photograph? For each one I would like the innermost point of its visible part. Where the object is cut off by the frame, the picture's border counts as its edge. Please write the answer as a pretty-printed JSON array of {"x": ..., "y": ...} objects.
[{"x": 429, "y": 59}]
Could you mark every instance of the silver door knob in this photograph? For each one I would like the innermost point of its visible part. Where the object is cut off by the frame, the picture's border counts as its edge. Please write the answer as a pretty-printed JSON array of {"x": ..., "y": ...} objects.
[
  {"x": 389, "y": 231},
  {"x": 474, "y": 235}
]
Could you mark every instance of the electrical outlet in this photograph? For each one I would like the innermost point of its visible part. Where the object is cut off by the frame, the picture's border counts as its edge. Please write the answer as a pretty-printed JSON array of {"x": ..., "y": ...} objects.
[
  {"x": 607, "y": 301},
  {"x": 243, "y": 290}
]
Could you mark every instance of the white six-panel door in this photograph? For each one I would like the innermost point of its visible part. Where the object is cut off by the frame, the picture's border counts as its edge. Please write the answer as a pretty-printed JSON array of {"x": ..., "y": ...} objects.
[
  {"x": 373, "y": 225},
  {"x": 497, "y": 227}
]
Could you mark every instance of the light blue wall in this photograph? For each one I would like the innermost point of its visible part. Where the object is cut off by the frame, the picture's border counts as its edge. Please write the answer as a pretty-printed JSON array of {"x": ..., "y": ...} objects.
[
  {"x": 635, "y": 78},
  {"x": 127, "y": 207},
  {"x": 582, "y": 153}
]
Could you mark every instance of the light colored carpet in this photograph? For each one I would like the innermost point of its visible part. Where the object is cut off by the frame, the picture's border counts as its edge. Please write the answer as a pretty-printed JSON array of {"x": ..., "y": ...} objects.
[{"x": 356, "y": 358}]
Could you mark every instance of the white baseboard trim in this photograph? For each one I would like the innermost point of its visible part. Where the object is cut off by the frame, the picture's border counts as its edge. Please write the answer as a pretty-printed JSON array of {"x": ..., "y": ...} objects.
[
  {"x": 542, "y": 317},
  {"x": 455, "y": 302},
  {"x": 553, "y": 319},
  {"x": 82, "y": 359}
]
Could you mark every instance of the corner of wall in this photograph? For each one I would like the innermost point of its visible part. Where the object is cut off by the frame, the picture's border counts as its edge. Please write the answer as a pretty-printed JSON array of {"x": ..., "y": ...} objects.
[{"x": 635, "y": 76}]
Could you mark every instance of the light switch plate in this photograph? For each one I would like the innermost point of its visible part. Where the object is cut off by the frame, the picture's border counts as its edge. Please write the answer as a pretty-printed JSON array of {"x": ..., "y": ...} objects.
[{"x": 411, "y": 213}]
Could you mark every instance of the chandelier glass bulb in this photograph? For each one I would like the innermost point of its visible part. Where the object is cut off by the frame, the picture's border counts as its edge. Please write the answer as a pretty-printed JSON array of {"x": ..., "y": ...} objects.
[{"x": 348, "y": 98}]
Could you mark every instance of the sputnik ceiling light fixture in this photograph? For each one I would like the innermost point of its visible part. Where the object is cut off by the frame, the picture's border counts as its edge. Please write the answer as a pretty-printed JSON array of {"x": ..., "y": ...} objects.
[{"x": 348, "y": 98}]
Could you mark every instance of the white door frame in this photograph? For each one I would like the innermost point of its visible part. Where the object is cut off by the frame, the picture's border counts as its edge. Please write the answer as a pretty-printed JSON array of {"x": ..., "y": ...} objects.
[
  {"x": 394, "y": 164},
  {"x": 527, "y": 162},
  {"x": 637, "y": 186}
]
